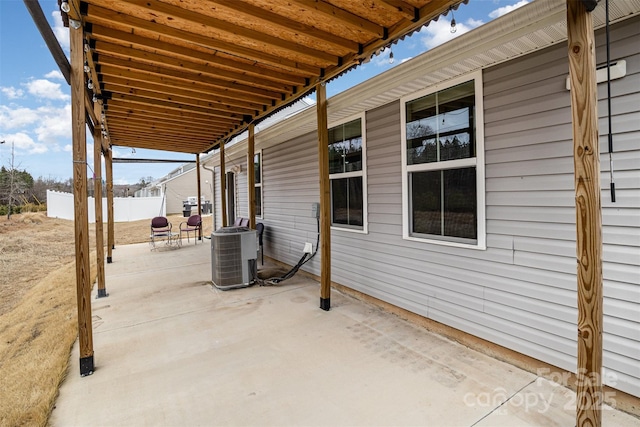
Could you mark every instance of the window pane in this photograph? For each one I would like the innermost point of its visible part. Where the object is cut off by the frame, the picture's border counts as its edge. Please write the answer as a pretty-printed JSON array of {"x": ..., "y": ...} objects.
[
  {"x": 422, "y": 130},
  {"x": 441, "y": 126},
  {"x": 345, "y": 147},
  {"x": 346, "y": 201},
  {"x": 355, "y": 201},
  {"x": 258, "y": 201},
  {"x": 426, "y": 202},
  {"x": 256, "y": 165},
  {"x": 443, "y": 203},
  {"x": 460, "y": 213},
  {"x": 339, "y": 201}
]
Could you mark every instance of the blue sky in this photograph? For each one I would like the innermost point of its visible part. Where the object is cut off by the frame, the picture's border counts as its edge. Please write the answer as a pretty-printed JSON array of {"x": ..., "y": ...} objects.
[{"x": 35, "y": 110}]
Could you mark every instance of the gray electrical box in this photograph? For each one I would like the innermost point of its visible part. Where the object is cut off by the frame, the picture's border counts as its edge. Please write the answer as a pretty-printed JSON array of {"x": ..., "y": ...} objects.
[{"x": 315, "y": 210}]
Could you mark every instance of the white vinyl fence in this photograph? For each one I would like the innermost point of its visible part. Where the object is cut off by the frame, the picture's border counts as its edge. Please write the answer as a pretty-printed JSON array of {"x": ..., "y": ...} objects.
[{"x": 60, "y": 205}]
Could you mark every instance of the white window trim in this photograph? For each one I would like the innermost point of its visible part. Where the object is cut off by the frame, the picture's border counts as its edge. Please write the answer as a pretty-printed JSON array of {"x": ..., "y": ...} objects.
[
  {"x": 478, "y": 162},
  {"x": 261, "y": 216},
  {"x": 363, "y": 173}
]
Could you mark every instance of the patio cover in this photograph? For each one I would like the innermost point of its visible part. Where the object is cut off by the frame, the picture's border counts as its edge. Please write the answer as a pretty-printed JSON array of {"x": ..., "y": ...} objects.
[
  {"x": 187, "y": 75},
  {"x": 184, "y": 75}
]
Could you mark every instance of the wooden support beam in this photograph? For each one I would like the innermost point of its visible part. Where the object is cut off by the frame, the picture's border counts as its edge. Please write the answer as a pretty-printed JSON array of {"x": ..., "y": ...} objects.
[
  {"x": 325, "y": 197},
  {"x": 199, "y": 193},
  {"x": 97, "y": 194},
  {"x": 33, "y": 6},
  {"x": 81, "y": 219},
  {"x": 223, "y": 186},
  {"x": 586, "y": 155},
  {"x": 108, "y": 162},
  {"x": 251, "y": 176}
]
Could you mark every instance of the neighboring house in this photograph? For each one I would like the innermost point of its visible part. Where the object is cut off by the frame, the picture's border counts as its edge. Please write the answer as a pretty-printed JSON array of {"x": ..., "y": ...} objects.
[{"x": 477, "y": 232}]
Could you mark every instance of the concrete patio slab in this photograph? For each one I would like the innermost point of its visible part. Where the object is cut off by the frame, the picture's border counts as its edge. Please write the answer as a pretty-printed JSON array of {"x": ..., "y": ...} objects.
[{"x": 171, "y": 350}]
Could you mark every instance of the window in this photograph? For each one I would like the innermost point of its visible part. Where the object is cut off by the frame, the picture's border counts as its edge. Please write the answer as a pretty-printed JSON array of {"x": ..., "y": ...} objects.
[
  {"x": 257, "y": 164},
  {"x": 443, "y": 164},
  {"x": 347, "y": 175}
]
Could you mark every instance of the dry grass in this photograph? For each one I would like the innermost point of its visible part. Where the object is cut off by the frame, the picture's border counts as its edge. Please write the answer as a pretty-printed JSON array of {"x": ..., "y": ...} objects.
[{"x": 38, "y": 314}]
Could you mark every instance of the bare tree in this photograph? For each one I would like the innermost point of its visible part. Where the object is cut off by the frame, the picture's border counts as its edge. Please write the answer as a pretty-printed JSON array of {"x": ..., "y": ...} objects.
[{"x": 11, "y": 182}]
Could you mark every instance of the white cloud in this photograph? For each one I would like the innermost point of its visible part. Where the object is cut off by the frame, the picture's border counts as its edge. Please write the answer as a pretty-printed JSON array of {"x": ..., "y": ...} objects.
[
  {"x": 11, "y": 92},
  {"x": 46, "y": 89},
  {"x": 17, "y": 118},
  {"x": 439, "y": 32},
  {"x": 506, "y": 9},
  {"x": 60, "y": 31},
  {"x": 54, "y": 74},
  {"x": 53, "y": 124},
  {"x": 474, "y": 23},
  {"x": 23, "y": 142},
  {"x": 39, "y": 130},
  {"x": 67, "y": 148}
]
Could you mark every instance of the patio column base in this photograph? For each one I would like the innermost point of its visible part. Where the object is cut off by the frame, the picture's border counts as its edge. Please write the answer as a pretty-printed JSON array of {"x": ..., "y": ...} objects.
[
  {"x": 109, "y": 260},
  {"x": 86, "y": 366},
  {"x": 325, "y": 303},
  {"x": 102, "y": 293}
]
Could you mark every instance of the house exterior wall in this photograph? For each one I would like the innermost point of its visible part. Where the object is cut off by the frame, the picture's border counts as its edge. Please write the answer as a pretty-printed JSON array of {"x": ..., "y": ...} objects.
[
  {"x": 290, "y": 185},
  {"x": 177, "y": 189},
  {"x": 242, "y": 198},
  {"x": 520, "y": 292},
  {"x": 530, "y": 200},
  {"x": 217, "y": 205}
]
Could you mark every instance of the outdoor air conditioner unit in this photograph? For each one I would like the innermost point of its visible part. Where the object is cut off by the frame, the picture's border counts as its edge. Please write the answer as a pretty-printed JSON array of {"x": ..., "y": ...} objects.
[{"x": 234, "y": 253}]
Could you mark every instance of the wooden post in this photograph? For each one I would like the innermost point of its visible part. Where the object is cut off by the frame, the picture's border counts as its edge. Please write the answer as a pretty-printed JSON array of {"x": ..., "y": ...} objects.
[
  {"x": 97, "y": 193},
  {"x": 199, "y": 193},
  {"x": 325, "y": 197},
  {"x": 108, "y": 163},
  {"x": 586, "y": 155},
  {"x": 251, "y": 176},
  {"x": 223, "y": 187},
  {"x": 81, "y": 219}
]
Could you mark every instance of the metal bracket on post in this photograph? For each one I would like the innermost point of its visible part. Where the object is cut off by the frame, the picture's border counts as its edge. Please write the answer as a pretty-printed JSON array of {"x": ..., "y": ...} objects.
[
  {"x": 86, "y": 366},
  {"x": 590, "y": 5}
]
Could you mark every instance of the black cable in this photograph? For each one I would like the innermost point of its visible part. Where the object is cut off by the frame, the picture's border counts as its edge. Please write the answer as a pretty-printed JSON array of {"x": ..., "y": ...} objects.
[
  {"x": 294, "y": 270},
  {"x": 612, "y": 185},
  {"x": 317, "y": 242}
]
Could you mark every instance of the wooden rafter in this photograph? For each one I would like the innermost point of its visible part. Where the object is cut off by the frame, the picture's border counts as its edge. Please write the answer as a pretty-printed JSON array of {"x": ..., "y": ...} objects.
[
  {"x": 234, "y": 89},
  {"x": 209, "y": 58},
  {"x": 222, "y": 64},
  {"x": 155, "y": 32}
]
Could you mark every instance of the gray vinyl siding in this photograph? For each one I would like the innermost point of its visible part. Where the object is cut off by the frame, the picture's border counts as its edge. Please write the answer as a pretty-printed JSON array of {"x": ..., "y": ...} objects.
[
  {"x": 185, "y": 185},
  {"x": 242, "y": 199},
  {"x": 217, "y": 209},
  {"x": 529, "y": 179},
  {"x": 521, "y": 291},
  {"x": 178, "y": 189},
  {"x": 290, "y": 185}
]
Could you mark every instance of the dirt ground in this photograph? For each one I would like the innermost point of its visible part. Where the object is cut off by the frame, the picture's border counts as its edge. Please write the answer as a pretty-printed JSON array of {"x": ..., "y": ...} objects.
[
  {"x": 33, "y": 245},
  {"x": 38, "y": 309}
]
